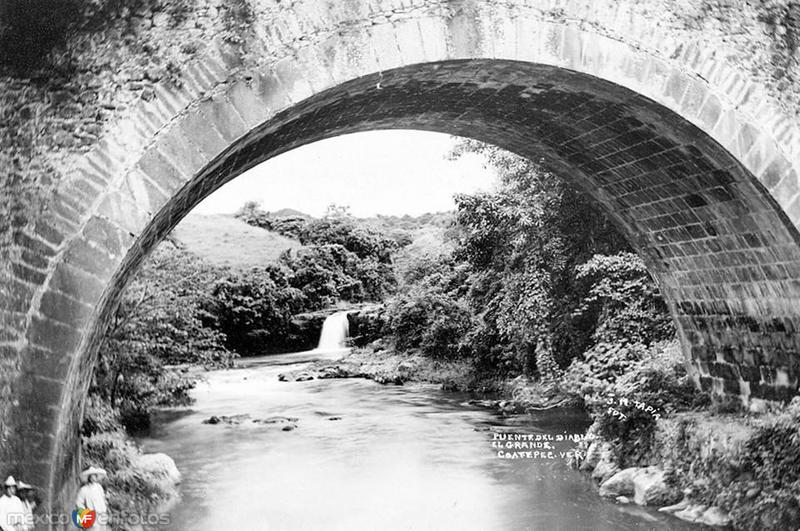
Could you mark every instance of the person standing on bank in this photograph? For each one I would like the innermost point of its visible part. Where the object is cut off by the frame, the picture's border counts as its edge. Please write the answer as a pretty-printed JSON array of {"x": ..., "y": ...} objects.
[
  {"x": 92, "y": 496},
  {"x": 12, "y": 511},
  {"x": 28, "y": 498}
]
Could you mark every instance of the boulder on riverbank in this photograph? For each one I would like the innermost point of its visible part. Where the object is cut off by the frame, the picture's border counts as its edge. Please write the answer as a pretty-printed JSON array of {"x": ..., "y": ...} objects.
[
  {"x": 620, "y": 484},
  {"x": 647, "y": 485},
  {"x": 650, "y": 487},
  {"x": 160, "y": 466},
  {"x": 605, "y": 468},
  {"x": 703, "y": 514}
]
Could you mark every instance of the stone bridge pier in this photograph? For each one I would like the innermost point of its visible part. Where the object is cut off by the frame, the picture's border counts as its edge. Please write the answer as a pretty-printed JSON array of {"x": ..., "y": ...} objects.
[{"x": 679, "y": 121}]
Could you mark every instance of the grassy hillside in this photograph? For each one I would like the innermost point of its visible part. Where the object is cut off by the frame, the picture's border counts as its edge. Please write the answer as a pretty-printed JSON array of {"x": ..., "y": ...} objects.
[{"x": 226, "y": 241}]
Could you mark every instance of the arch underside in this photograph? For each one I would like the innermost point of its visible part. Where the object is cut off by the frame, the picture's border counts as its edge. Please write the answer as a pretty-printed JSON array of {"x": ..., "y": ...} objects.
[{"x": 726, "y": 257}]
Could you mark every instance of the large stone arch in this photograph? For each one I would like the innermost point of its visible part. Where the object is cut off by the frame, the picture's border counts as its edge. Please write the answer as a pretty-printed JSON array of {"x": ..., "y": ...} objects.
[{"x": 694, "y": 158}]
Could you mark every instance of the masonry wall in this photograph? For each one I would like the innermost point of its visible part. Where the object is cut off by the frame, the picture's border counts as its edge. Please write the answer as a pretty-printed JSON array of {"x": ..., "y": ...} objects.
[{"x": 133, "y": 110}]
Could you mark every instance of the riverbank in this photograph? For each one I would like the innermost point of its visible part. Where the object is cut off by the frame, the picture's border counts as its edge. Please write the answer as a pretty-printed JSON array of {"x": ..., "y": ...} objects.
[
  {"x": 140, "y": 487},
  {"x": 387, "y": 366},
  {"x": 655, "y": 440}
]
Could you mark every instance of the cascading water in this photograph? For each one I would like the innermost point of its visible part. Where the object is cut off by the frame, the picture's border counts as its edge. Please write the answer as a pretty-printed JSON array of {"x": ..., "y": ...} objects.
[{"x": 335, "y": 331}]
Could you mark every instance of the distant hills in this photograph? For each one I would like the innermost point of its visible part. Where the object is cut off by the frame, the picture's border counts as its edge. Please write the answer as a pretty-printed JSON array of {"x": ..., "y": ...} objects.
[
  {"x": 289, "y": 213},
  {"x": 226, "y": 241}
]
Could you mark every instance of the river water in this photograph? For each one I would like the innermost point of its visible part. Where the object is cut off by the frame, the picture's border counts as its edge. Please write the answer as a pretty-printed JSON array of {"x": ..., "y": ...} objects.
[{"x": 364, "y": 456}]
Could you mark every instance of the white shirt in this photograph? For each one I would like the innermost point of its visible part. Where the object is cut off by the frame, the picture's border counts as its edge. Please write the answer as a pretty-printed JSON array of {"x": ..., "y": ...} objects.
[
  {"x": 28, "y": 507},
  {"x": 92, "y": 496},
  {"x": 12, "y": 513}
]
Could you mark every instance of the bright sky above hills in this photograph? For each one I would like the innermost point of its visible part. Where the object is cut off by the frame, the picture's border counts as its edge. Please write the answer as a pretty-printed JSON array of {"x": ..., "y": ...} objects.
[{"x": 379, "y": 172}]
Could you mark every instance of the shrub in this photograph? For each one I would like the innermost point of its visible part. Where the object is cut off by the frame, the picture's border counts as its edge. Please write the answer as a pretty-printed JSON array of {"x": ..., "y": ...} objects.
[
  {"x": 130, "y": 487},
  {"x": 444, "y": 332},
  {"x": 629, "y": 379},
  {"x": 432, "y": 321},
  {"x": 771, "y": 464},
  {"x": 595, "y": 374},
  {"x": 99, "y": 417},
  {"x": 623, "y": 299},
  {"x": 368, "y": 325},
  {"x": 254, "y": 309}
]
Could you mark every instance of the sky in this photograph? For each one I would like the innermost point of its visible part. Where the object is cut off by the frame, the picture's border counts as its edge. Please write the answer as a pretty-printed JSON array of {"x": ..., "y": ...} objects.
[{"x": 378, "y": 172}]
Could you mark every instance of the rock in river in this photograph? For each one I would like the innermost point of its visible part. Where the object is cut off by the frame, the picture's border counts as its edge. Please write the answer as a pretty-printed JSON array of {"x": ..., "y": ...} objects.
[{"x": 224, "y": 419}]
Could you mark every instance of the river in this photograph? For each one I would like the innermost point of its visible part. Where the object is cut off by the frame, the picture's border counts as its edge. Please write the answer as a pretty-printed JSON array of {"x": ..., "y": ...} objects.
[{"x": 368, "y": 456}]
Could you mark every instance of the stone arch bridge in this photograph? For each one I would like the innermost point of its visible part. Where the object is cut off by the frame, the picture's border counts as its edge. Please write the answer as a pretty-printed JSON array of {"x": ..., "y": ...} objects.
[{"x": 678, "y": 119}]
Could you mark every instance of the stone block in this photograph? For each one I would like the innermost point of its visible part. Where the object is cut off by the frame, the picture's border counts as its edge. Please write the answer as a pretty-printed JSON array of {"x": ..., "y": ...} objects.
[
  {"x": 77, "y": 283},
  {"x": 49, "y": 365},
  {"x": 270, "y": 91},
  {"x": 155, "y": 167},
  {"x": 202, "y": 135},
  {"x": 182, "y": 155},
  {"x": 252, "y": 109},
  {"x": 90, "y": 258},
  {"x": 293, "y": 80},
  {"x": 59, "y": 307},
  {"x": 53, "y": 336},
  {"x": 222, "y": 115},
  {"x": 384, "y": 42}
]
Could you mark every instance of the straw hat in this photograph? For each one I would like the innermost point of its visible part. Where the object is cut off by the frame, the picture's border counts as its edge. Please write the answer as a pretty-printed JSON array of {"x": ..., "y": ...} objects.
[
  {"x": 24, "y": 486},
  {"x": 92, "y": 471},
  {"x": 10, "y": 482}
]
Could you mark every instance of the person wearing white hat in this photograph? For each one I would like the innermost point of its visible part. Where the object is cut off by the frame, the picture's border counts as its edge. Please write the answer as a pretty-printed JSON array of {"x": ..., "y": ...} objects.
[
  {"x": 12, "y": 511},
  {"x": 28, "y": 498},
  {"x": 92, "y": 496}
]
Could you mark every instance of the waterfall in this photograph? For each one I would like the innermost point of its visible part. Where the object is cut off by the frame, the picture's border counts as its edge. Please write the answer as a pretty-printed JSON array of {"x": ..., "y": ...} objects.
[{"x": 335, "y": 330}]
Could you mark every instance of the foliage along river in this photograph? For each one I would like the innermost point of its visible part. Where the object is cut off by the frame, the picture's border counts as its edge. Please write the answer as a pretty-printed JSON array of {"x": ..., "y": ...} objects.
[{"x": 400, "y": 457}]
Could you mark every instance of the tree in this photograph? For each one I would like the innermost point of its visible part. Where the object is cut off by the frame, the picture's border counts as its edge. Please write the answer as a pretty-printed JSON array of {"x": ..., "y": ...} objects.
[
  {"x": 619, "y": 295},
  {"x": 254, "y": 309},
  {"x": 160, "y": 322},
  {"x": 523, "y": 241},
  {"x": 335, "y": 211}
]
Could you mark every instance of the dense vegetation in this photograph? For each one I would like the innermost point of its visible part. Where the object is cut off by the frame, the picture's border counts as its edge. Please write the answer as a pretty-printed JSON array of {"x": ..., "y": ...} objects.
[
  {"x": 535, "y": 279},
  {"x": 161, "y": 322}
]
